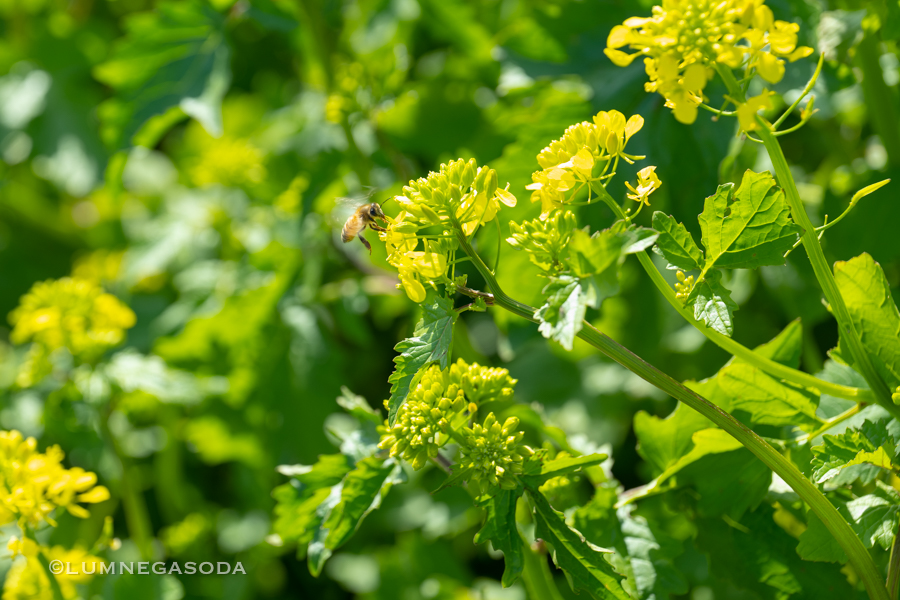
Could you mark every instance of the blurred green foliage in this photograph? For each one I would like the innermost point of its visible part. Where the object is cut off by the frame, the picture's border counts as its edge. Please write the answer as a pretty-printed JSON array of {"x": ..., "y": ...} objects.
[{"x": 187, "y": 156}]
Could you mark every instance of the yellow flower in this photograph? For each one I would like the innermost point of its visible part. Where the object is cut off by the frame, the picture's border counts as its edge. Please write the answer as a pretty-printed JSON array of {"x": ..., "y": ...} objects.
[
  {"x": 229, "y": 161},
  {"x": 685, "y": 39},
  {"x": 461, "y": 196},
  {"x": 569, "y": 163},
  {"x": 27, "y": 579},
  {"x": 34, "y": 484},
  {"x": 648, "y": 182},
  {"x": 68, "y": 313},
  {"x": 746, "y": 112}
]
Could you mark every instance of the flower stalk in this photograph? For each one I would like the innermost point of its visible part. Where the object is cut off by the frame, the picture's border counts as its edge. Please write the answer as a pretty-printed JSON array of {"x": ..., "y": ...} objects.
[{"x": 858, "y": 555}]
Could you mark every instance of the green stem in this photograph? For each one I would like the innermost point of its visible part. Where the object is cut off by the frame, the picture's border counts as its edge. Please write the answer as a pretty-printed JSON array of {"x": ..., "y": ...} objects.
[
  {"x": 45, "y": 562},
  {"x": 809, "y": 493},
  {"x": 736, "y": 348},
  {"x": 537, "y": 577},
  {"x": 893, "y": 577},
  {"x": 817, "y": 258},
  {"x": 881, "y": 101}
]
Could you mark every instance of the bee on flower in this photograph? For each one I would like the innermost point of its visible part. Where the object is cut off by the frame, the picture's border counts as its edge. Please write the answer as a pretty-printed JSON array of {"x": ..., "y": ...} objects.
[
  {"x": 422, "y": 240},
  {"x": 684, "y": 40}
]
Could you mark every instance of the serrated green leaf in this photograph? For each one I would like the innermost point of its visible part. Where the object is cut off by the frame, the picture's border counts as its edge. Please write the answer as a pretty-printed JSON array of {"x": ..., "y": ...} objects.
[
  {"x": 430, "y": 343},
  {"x": 875, "y": 516},
  {"x": 712, "y": 303},
  {"x": 562, "y": 315},
  {"x": 753, "y": 230},
  {"x": 663, "y": 441},
  {"x": 593, "y": 254},
  {"x": 848, "y": 449},
  {"x": 767, "y": 400},
  {"x": 582, "y": 562},
  {"x": 569, "y": 464},
  {"x": 500, "y": 529},
  {"x": 357, "y": 406},
  {"x": 867, "y": 294},
  {"x": 176, "y": 56},
  {"x": 818, "y": 544},
  {"x": 676, "y": 244},
  {"x": 362, "y": 491},
  {"x": 456, "y": 477},
  {"x": 637, "y": 239},
  {"x": 757, "y": 555}
]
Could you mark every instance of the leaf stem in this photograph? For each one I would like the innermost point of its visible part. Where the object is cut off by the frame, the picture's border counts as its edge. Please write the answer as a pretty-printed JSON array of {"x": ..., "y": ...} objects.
[
  {"x": 733, "y": 347},
  {"x": 803, "y": 94},
  {"x": 818, "y": 503},
  {"x": 817, "y": 258},
  {"x": 894, "y": 567}
]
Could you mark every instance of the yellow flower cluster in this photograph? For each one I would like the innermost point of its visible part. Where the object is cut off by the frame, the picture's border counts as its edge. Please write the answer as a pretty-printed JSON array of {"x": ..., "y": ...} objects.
[
  {"x": 585, "y": 153},
  {"x": 68, "y": 313},
  {"x": 494, "y": 453},
  {"x": 34, "y": 484},
  {"x": 461, "y": 196},
  {"x": 229, "y": 161},
  {"x": 27, "y": 579},
  {"x": 685, "y": 39}
]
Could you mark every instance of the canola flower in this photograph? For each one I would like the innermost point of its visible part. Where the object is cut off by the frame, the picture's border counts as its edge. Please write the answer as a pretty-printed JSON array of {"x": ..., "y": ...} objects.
[
  {"x": 75, "y": 314},
  {"x": 545, "y": 240},
  {"x": 460, "y": 196},
  {"x": 585, "y": 153},
  {"x": 229, "y": 161},
  {"x": 648, "y": 182},
  {"x": 34, "y": 484},
  {"x": 439, "y": 409},
  {"x": 684, "y": 40},
  {"x": 28, "y": 580}
]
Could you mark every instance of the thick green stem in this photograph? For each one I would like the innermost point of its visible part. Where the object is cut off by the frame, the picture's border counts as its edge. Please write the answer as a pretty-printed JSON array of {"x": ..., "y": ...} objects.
[
  {"x": 893, "y": 577},
  {"x": 809, "y": 493},
  {"x": 817, "y": 258},
  {"x": 731, "y": 346}
]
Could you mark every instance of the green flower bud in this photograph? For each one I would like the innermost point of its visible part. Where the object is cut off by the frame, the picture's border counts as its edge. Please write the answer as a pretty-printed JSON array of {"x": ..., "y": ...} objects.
[{"x": 495, "y": 458}]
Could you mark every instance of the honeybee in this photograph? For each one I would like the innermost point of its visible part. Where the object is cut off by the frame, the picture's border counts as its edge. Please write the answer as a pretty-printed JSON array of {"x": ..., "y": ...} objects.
[{"x": 363, "y": 217}]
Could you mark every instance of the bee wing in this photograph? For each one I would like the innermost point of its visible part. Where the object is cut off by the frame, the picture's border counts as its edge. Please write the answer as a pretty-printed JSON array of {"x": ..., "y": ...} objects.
[{"x": 345, "y": 206}]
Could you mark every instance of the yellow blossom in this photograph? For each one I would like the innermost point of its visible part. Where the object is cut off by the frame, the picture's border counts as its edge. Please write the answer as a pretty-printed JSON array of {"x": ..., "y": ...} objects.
[
  {"x": 27, "y": 578},
  {"x": 75, "y": 314},
  {"x": 570, "y": 163},
  {"x": 648, "y": 182},
  {"x": 683, "y": 41},
  {"x": 746, "y": 112},
  {"x": 34, "y": 484},
  {"x": 460, "y": 197},
  {"x": 229, "y": 161}
]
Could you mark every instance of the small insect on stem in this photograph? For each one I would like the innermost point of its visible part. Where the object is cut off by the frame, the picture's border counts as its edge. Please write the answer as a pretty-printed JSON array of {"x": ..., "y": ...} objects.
[{"x": 363, "y": 217}]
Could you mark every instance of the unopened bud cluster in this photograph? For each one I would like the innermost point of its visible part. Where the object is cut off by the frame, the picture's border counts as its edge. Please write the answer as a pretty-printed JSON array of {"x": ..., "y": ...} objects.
[
  {"x": 460, "y": 196},
  {"x": 683, "y": 286},
  {"x": 494, "y": 453},
  {"x": 896, "y": 396},
  {"x": 439, "y": 409},
  {"x": 545, "y": 240}
]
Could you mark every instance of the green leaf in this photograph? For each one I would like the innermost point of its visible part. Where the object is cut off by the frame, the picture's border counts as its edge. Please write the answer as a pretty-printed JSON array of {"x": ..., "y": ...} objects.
[
  {"x": 500, "y": 529},
  {"x": 568, "y": 464},
  {"x": 430, "y": 343},
  {"x": 676, "y": 244},
  {"x": 849, "y": 449},
  {"x": 661, "y": 442},
  {"x": 875, "y": 516},
  {"x": 875, "y": 316},
  {"x": 753, "y": 230},
  {"x": 173, "y": 57},
  {"x": 593, "y": 254},
  {"x": 361, "y": 492},
  {"x": 456, "y": 477},
  {"x": 712, "y": 303},
  {"x": 637, "y": 239},
  {"x": 562, "y": 315},
  {"x": 818, "y": 544},
  {"x": 357, "y": 406},
  {"x": 757, "y": 555},
  {"x": 582, "y": 562},
  {"x": 767, "y": 400}
]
